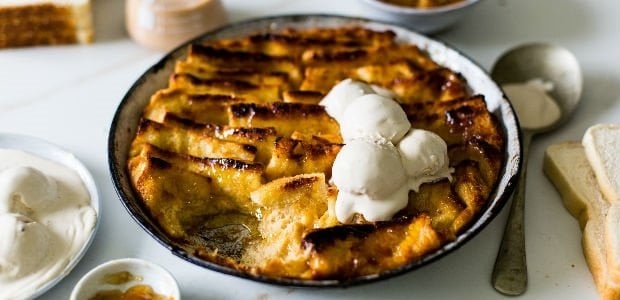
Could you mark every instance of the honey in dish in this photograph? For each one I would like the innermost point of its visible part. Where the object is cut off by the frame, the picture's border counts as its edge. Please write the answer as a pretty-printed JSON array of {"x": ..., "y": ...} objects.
[{"x": 136, "y": 292}]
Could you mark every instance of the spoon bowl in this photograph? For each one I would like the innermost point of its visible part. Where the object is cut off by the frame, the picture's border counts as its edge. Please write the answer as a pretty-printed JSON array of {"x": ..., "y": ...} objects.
[
  {"x": 550, "y": 63},
  {"x": 519, "y": 65}
]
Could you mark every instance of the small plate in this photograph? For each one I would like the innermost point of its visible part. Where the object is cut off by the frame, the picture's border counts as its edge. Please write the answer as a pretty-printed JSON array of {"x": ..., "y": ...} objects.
[
  {"x": 147, "y": 273},
  {"x": 55, "y": 153}
]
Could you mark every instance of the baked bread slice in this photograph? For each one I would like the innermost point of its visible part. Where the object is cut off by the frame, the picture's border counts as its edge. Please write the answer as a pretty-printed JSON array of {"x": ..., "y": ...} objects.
[
  {"x": 45, "y": 22},
  {"x": 568, "y": 168}
]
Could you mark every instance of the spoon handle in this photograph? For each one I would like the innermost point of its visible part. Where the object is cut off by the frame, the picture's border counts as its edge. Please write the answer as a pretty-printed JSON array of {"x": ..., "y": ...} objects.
[{"x": 510, "y": 270}]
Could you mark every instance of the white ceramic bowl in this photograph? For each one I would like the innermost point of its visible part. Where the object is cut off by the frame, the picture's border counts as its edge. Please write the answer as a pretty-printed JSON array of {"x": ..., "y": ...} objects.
[
  {"x": 149, "y": 273},
  {"x": 424, "y": 20},
  {"x": 49, "y": 151}
]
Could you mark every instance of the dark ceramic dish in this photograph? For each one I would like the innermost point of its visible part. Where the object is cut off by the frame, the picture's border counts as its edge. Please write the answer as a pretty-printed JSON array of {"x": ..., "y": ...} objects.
[{"x": 130, "y": 109}]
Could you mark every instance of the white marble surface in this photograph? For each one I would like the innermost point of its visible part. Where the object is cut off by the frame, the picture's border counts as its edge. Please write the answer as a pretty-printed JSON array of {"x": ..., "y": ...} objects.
[{"x": 67, "y": 95}]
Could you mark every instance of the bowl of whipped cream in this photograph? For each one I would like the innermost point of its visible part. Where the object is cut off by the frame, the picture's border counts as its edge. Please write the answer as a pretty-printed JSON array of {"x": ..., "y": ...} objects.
[{"x": 49, "y": 212}]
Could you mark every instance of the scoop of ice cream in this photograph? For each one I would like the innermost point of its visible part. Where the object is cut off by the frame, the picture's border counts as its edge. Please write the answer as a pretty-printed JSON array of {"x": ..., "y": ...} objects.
[
  {"x": 342, "y": 94},
  {"x": 424, "y": 155},
  {"x": 367, "y": 170},
  {"x": 23, "y": 247},
  {"x": 26, "y": 188},
  {"x": 373, "y": 210},
  {"x": 374, "y": 116}
]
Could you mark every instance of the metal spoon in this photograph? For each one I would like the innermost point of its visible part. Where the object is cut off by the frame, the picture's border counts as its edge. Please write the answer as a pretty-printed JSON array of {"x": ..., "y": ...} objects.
[{"x": 521, "y": 64}]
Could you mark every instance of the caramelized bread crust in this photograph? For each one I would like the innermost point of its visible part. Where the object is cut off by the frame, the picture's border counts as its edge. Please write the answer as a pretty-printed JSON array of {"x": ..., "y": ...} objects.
[{"x": 233, "y": 158}]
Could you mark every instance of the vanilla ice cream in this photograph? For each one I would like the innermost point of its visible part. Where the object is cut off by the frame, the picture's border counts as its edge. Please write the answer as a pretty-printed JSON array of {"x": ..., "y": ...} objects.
[
  {"x": 374, "y": 116},
  {"x": 342, "y": 94},
  {"x": 371, "y": 171},
  {"x": 373, "y": 210},
  {"x": 383, "y": 158},
  {"x": 24, "y": 244},
  {"x": 24, "y": 189},
  {"x": 424, "y": 155}
]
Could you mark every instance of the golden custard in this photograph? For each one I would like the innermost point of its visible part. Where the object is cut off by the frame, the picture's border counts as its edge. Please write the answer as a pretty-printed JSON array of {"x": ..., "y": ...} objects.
[
  {"x": 422, "y": 3},
  {"x": 233, "y": 158}
]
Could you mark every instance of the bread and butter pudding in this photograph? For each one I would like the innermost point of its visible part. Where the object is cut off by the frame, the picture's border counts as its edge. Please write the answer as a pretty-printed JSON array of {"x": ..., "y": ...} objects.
[{"x": 234, "y": 158}]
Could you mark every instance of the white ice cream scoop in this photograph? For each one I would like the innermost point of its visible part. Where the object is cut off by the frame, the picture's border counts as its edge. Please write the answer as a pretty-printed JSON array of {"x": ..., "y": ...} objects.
[
  {"x": 342, "y": 94},
  {"x": 373, "y": 210},
  {"x": 375, "y": 117},
  {"x": 424, "y": 155},
  {"x": 26, "y": 188},
  {"x": 370, "y": 179},
  {"x": 24, "y": 245},
  {"x": 367, "y": 167}
]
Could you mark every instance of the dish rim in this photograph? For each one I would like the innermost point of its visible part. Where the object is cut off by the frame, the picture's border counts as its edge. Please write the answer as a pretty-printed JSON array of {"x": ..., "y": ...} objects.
[
  {"x": 511, "y": 164},
  {"x": 423, "y": 12},
  {"x": 50, "y": 151}
]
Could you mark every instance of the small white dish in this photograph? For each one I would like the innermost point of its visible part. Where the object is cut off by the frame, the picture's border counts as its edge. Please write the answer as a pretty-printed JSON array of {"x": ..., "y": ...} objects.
[
  {"x": 148, "y": 273},
  {"x": 55, "y": 153},
  {"x": 424, "y": 20}
]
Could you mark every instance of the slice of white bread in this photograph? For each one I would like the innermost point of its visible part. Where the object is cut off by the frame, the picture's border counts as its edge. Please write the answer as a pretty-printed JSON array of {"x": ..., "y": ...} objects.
[
  {"x": 45, "y": 22},
  {"x": 602, "y": 145},
  {"x": 568, "y": 168}
]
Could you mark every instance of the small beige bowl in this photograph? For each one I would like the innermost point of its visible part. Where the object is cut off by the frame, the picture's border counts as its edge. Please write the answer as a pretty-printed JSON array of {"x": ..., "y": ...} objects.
[
  {"x": 424, "y": 20},
  {"x": 158, "y": 278}
]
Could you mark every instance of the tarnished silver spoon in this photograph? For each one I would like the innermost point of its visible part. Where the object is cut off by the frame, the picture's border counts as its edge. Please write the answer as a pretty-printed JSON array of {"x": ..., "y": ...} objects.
[{"x": 558, "y": 68}]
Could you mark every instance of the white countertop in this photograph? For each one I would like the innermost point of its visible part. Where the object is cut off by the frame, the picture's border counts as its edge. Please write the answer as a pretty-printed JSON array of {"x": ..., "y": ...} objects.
[{"x": 68, "y": 95}]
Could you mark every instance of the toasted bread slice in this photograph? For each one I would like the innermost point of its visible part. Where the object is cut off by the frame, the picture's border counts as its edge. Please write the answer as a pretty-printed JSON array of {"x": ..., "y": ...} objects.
[
  {"x": 200, "y": 107},
  {"x": 261, "y": 139},
  {"x": 291, "y": 157},
  {"x": 237, "y": 179},
  {"x": 284, "y": 116},
  {"x": 602, "y": 143},
  {"x": 360, "y": 57},
  {"x": 294, "y": 43},
  {"x": 347, "y": 251},
  {"x": 457, "y": 121},
  {"x": 194, "y": 141},
  {"x": 226, "y": 59},
  {"x": 230, "y": 87},
  {"x": 569, "y": 170},
  {"x": 256, "y": 77}
]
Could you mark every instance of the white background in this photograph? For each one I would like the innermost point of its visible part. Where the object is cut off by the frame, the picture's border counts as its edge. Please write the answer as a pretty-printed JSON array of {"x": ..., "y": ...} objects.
[{"x": 68, "y": 95}]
